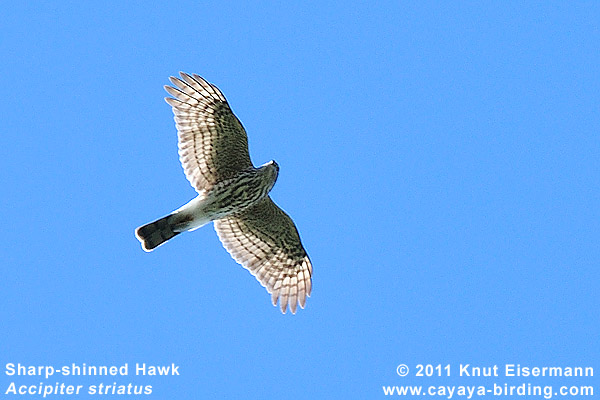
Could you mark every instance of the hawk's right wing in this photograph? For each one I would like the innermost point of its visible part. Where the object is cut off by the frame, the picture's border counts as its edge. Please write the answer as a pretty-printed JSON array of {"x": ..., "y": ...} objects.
[
  {"x": 213, "y": 145},
  {"x": 265, "y": 241}
]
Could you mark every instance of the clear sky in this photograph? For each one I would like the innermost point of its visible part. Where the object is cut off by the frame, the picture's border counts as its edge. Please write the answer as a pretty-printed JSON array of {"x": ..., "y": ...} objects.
[{"x": 440, "y": 160}]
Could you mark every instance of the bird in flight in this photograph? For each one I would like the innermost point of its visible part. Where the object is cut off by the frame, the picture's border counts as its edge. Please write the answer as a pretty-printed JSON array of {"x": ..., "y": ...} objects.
[{"x": 213, "y": 150}]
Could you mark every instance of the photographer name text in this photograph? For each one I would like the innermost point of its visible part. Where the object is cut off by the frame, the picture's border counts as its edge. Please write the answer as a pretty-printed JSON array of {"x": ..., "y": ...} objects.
[{"x": 506, "y": 370}]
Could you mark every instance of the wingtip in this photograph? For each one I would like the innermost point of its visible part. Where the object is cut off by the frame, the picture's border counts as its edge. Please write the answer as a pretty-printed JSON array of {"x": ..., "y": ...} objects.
[
  {"x": 283, "y": 305},
  {"x": 200, "y": 79},
  {"x": 173, "y": 102}
]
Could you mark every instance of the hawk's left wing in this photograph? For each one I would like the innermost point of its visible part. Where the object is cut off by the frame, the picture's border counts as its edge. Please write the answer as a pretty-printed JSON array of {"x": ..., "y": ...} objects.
[{"x": 265, "y": 241}]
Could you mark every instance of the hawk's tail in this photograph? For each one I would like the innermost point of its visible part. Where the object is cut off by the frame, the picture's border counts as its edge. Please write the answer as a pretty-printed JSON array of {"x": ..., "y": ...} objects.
[{"x": 156, "y": 233}]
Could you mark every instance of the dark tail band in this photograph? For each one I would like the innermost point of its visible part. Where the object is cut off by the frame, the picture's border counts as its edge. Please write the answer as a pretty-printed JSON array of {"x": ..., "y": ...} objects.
[{"x": 155, "y": 233}]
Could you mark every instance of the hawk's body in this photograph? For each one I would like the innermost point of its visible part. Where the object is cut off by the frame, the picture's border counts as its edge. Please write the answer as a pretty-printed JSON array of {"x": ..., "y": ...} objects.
[{"x": 213, "y": 149}]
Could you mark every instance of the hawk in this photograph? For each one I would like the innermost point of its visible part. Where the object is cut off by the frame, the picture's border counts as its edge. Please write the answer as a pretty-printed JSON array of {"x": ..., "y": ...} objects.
[{"x": 213, "y": 150}]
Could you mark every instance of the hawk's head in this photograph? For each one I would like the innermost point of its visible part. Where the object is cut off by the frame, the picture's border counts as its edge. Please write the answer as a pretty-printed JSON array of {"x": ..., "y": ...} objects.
[
  {"x": 274, "y": 166},
  {"x": 270, "y": 171}
]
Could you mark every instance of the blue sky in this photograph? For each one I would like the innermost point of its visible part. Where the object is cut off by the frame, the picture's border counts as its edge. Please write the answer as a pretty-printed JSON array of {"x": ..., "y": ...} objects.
[{"x": 441, "y": 162}]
